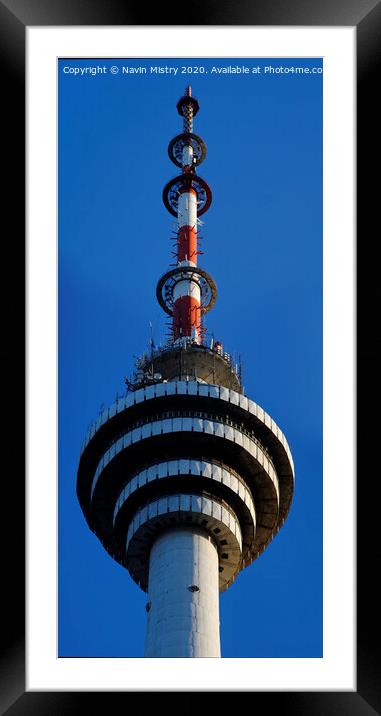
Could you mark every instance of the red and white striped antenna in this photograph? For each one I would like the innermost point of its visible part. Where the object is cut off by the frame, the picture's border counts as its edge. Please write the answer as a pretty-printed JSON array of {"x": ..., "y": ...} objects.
[{"x": 187, "y": 292}]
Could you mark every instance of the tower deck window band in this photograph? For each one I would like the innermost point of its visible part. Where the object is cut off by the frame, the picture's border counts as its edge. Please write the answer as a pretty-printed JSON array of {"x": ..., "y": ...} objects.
[{"x": 185, "y": 481}]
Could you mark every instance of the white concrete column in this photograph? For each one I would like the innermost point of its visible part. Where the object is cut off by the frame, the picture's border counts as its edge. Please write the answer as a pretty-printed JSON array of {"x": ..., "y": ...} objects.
[{"x": 183, "y": 595}]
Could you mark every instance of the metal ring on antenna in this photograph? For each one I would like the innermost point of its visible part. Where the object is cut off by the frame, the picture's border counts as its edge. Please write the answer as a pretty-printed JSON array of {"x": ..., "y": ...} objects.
[
  {"x": 166, "y": 284},
  {"x": 177, "y": 144},
  {"x": 172, "y": 190}
]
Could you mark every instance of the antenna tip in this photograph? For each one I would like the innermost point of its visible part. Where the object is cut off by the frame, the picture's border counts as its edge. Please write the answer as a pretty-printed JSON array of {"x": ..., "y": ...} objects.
[{"x": 188, "y": 91}]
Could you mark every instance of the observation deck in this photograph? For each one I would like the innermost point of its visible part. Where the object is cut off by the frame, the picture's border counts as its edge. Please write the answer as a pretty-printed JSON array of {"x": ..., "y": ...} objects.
[{"x": 185, "y": 452}]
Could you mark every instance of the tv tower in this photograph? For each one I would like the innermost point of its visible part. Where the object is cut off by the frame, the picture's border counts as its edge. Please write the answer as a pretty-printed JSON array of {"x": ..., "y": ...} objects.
[{"x": 185, "y": 481}]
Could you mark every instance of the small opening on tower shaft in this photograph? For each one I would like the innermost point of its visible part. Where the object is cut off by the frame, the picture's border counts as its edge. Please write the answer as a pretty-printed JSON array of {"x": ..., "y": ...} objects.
[{"x": 193, "y": 588}]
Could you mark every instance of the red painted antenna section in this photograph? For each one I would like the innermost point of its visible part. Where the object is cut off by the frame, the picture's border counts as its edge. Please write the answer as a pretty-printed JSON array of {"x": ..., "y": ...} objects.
[
  {"x": 187, "y": 296},
  {"x": 186, "y": 197}
]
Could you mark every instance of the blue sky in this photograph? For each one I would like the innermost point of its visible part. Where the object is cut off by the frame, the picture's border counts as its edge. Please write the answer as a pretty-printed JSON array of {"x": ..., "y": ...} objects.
[{"x": 262, "y": 243}]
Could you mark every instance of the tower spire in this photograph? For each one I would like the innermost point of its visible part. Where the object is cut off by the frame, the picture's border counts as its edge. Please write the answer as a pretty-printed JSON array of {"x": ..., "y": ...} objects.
[{"x": 187, "y": 292}]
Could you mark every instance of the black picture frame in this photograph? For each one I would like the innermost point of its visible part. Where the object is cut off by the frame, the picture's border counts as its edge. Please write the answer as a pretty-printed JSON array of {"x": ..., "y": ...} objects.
[{"x": 15, "y": 17}]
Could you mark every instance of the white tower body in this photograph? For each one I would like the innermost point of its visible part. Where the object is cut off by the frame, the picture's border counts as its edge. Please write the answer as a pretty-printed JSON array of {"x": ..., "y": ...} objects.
[{"x": 183, "y": 599}]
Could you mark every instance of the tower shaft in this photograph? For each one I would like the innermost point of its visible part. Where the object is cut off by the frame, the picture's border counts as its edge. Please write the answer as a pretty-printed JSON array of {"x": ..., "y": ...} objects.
[{"x": 183, "y": 604}]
